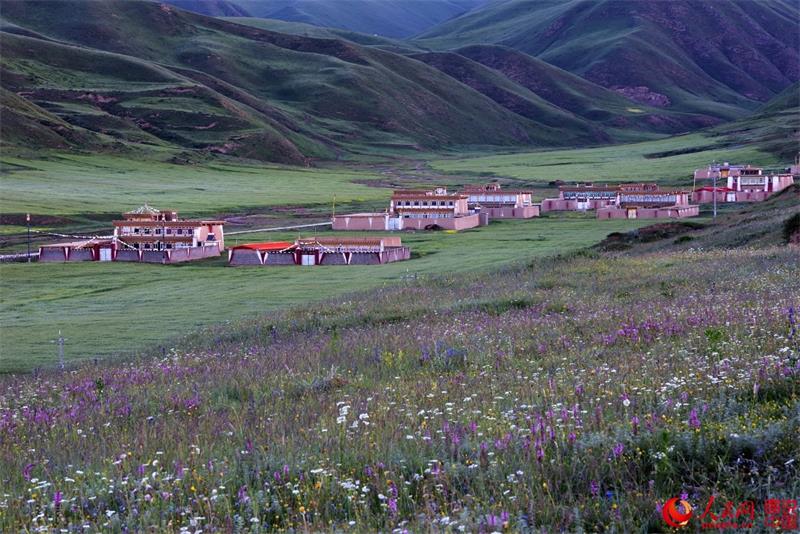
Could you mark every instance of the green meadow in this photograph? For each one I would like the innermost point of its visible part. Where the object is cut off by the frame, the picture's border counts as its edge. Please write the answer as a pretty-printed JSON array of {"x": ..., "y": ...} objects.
[
  {"x": 69, "y": 185},
  {"x": 670, "y": 161},
  {"x": 110, "y": 309},
  {"x": 113, "y": 309}
]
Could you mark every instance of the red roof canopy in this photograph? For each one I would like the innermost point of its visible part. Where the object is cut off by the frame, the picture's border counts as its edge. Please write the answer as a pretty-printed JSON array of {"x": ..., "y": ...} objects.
[{"x": 268, "y": 246}]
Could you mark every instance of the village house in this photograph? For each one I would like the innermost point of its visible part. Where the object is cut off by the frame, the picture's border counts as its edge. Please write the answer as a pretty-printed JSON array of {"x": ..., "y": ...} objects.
[
  {"x": 145, "y": 235},
  {"x": 498, "y": 203},
  {"x": 582, "y": 197},
  {"x": 739, "y": 183},
  {"x": 648, "y": 201},
  {"x": 321, "y": 251},
  {"x": 416, "y": 209}
]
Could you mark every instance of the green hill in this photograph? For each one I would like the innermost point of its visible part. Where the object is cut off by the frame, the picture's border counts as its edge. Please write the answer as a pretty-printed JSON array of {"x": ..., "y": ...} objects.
[
  {"x": 774, "y": 127},
  {"x": 717, "y": 58},
  {"x": 389, "y": 18},
  {"x": 147, "y": 73},
  {"x": 308, "y": 96}
]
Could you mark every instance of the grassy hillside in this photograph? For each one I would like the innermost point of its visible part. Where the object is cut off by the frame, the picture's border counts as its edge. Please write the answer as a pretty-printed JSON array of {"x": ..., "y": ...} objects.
[
  {"x": 669, "y": 161},
  {"x": 773, "y": 128},
  {"x": 389, "y": 18},
  {"x": 716, "y": 58},
  {"x": 159, "y": 76},
  {"x": 749, "y": 225},
  {"x": 570, "y": 394},
  {"x": 538, "y": 90},
  {"x": 287, "y": 95}
]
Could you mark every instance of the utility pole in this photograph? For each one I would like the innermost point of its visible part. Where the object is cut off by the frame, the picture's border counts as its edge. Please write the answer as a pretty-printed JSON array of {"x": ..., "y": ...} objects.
[
  {"x": 723, "y": 173},
  {"x": 28, "y": 221}
]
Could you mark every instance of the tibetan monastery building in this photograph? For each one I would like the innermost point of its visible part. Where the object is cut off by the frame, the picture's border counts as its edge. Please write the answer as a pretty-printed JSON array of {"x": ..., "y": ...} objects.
[
  {"x": 500, "y": 203},
  {"x": 739, "y": 183},
  {"x": 648, "y": 201},
  {"x": 582, "y": 197},
  {"x": 321, "y": 251},
  {"x": 145, "y": 235},
  {"x": 415, "y": 209}
]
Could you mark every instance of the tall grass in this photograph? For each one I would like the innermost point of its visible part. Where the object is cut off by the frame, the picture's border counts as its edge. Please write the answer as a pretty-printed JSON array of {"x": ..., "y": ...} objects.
[{"x": 574, "y": 394}]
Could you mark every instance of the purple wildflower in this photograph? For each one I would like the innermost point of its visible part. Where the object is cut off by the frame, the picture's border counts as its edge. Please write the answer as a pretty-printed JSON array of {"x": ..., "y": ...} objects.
[
  {"x": 618, "y": 449},
  {"x": 26, "y": 471},
  {"x": 594, "y": 488},
  {"x": 694, "y": 420}
]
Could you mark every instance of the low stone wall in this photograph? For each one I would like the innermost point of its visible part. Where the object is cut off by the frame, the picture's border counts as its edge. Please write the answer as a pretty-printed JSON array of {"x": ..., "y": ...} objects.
[
  {"x": 179, "y": 255},
  {"x": 396, "y": 254},
  {"x": 453, "y": 223},
  {"x": 372, "y": 221},
  {"x": 279, "y": 258},
  {"x": 243, "y": 256},
  {"x": 334, "y": 258},
  {"x": 526, "y": 212},
  {"x": 365, "y": 258},
  {"x": 673, "y": 212},
  {"x": 80, "y": 254},
  {"x": 707, "y": 197},
  {"x": 127, "y": 255},
  {"x": 154, "y": 256},
  {"x": 52, "y": 255},
  {"x": 557, "y": 204}
]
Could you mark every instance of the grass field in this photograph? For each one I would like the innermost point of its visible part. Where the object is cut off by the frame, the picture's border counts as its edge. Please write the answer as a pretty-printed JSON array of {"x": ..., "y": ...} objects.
[
  {"x": 76, "y": 184},
  {"x": 570, "y": 395},
  {"x": 105, "y": 309},
  {"x": 668, "y": 161}
]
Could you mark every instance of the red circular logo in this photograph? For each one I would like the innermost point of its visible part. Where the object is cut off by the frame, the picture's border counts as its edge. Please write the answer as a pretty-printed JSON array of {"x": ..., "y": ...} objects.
[{"x": 677, "y": 512}]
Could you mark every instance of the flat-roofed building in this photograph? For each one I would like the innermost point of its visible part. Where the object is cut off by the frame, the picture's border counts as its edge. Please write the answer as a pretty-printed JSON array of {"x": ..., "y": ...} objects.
[
  {"x": 328, "y": 250},
  {"x": 417, "y": 209},
  {"x": 145, "y": 235},
  {"x": 147, "y": 228},
  {"x": 582, "y": 197},
  {"x": 498, "y": 203},
  {"x": 648, "y": 201},
  {"x": 739, "y": 183}
]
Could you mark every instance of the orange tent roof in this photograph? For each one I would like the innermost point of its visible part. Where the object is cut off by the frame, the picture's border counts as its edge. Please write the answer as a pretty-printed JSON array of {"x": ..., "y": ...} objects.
[{"x": 268, "y": 246}]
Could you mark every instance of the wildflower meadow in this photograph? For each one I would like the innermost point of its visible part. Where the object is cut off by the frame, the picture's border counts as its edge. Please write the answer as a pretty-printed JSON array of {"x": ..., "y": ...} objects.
[{"x": 573, "y": 394}]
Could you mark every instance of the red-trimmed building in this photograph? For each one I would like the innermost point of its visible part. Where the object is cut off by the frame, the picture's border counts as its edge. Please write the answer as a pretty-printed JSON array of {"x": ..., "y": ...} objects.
[
  {"x": 417, "y": 209},
  {"x": 145, "y": 235},
  {"x": 321, "y": 251},
  {"x": 582, "y": 197},
  {"x": 648, "y": 201},
  {"x": 498, "y": 203},
  {"x": 147, "y": 228},
  {"x": 740, "y": 183}
]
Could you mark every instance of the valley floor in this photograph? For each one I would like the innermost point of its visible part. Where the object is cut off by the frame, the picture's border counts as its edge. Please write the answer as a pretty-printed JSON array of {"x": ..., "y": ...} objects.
[{"x": 119, "y": 310}]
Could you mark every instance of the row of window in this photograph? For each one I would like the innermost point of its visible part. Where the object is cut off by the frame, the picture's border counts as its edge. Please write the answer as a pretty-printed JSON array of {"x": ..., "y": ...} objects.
[
  {"x": 428, "y": 215},
  {"x": 424, "y": 203},
  {"x": 160, "y": 246},
  {"x": 157, "y": 231}
]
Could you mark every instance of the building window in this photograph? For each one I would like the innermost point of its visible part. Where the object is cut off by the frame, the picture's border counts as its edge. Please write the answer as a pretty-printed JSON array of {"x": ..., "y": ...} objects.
[
  {"x": 169, "y": 231},
  {"x": 147, "y": 231},
  {"x": 450, "y": 203},
  {"x": 416, "y": 202},
  {"x": 158, "y": 231},
  {"x": 179, "y": 231},
  {"x": 135, "y": 230}
]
